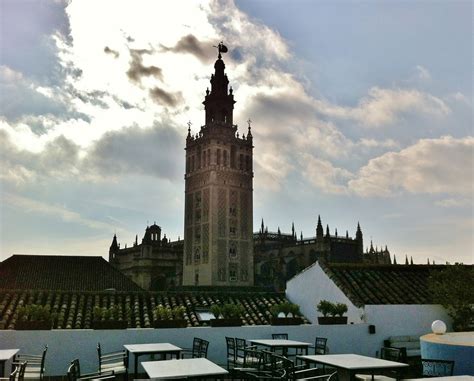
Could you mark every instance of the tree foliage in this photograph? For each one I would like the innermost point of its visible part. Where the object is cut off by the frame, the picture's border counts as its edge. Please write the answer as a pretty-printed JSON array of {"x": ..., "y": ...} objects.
[{"x": 453, "y": 289}]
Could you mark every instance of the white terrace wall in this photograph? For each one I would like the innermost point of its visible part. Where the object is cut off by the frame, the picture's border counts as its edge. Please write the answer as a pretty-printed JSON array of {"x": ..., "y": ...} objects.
[
  {"x": 65, "y": 345},
  {"x": 312, "y": 285}
]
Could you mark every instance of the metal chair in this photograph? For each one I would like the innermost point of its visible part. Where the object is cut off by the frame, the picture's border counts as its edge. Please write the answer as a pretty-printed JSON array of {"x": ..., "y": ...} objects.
[
  {"x": 320, "y": 346},
  {"x": 231, "y": 352},
  {"x": 437, "y": 368},
  {"x": 18, "y": 372},
  {"x": 199, "y": 349},
  {"x": 279, "y": 336},
  {"x": 74, "y": 373},
  {"x": 116, "y": 362},
  {"x": 35, "y": 364}
]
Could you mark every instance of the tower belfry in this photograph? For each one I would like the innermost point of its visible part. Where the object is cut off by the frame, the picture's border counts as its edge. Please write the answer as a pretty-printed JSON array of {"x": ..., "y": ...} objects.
[{"x": 218, "y": 217}]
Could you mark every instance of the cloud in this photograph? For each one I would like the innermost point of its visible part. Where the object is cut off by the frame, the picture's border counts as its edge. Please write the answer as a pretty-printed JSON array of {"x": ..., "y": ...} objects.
[
  {"x": 28, "y": 205},
  {"x": 422, "y": 73},
  {"x": 155, "y": 151},
  {"x": 191, "y": 45},
  {"x": 455, "y": 202},
  {"x": 160, "y": 96},
  {"x": 431, "y": 166},
  {"x": 383, "y": 107},
  {"x": 137, "y": 70},
  {"x": 111, "y": 52},
  {"x": 323, "y": 175}
]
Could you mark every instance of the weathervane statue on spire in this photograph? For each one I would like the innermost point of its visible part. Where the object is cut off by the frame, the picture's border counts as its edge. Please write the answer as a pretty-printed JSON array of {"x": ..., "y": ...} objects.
[{"x": 221, "y": 48}]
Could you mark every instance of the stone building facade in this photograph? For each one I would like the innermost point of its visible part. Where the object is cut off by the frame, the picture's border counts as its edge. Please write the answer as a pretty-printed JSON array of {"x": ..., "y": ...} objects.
[
  {"x": 153, "y": 264},
  {"x": 218, "y": 221}
]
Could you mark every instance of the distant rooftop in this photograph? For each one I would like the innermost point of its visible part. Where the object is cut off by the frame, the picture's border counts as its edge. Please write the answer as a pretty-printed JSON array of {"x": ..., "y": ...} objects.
[
  {"x": 62, "y": 272},
  {"x": 382, "y": 284}
]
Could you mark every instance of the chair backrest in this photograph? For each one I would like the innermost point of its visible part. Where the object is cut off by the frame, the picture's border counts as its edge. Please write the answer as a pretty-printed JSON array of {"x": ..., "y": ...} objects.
[
  {"x": 437, "y": 368},
  {"x": 231, "y": 353},
  {"x": 320, "y": 347},
  {"x": 74, "y": 370},
  {"x": 199, "y": 347},
  {"x": 391, "y": 353},
  {"x": 240, "y": 345},
  {"x": 279, "y": 336},
  {"x": 278, "y": 366}
]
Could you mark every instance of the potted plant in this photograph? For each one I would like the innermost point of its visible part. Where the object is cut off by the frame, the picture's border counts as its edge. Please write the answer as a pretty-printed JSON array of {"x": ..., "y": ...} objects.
[
  {"x": 286, "y": 313},
  {"x": 34, "y": 317},
  {"x": 108, "y": 318},
  {"x": 227, "y": 315},
  {"x": 332, "y": 313},
  {"x": 169, "y": 317}
]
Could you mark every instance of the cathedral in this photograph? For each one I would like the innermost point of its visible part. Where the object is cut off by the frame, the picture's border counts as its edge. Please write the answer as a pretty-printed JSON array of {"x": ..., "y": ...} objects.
[{"x": 219, "y": 247}]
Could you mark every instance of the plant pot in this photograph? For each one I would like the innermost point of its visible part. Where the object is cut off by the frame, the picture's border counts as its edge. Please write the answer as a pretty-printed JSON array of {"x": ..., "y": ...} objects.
[
  {"x": 109, "y": 324},
  {"x": 226, "y": 322},
  {"x": 176, "y": 323},
  {"x": 326, "y": 320},
  {"x": 32, "y": 325},
  {"x": 286, "y": 321}
]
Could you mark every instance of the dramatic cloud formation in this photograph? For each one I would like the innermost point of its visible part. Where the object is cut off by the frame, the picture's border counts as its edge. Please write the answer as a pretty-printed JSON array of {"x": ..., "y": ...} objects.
[
  {"x": 88, "y": 101},
  {"x": 430, "y": 166},
  {"x": 386, "y": 106}
]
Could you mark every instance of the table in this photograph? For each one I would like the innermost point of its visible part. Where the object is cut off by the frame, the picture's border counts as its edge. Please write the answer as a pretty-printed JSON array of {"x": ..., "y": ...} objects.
[
  {"x": 280, "y": 343},
  {"x": 197, "y": 367},
  {"x": 6, "y": 355},
  {"x": 151, "y": 349},
  {"x": 350, "y": 364}
]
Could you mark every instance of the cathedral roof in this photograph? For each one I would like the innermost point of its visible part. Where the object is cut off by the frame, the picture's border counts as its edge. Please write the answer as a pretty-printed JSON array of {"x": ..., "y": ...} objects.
[
  {"x": 382, "y": 284},
  {"x": 62, "y": 272}
]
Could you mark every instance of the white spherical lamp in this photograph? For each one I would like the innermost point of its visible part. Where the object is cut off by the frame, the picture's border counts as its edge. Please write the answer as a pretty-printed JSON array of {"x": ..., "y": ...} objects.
[{"x": 438, "y": 327}]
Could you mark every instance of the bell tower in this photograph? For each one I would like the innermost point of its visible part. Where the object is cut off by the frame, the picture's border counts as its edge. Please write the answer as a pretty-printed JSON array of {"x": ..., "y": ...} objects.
[{"x": 218, "y": 216}]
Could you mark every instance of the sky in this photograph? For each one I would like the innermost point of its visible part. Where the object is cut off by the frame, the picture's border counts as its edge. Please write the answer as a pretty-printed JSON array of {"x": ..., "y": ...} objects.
[{"x": 362, "y": 111}]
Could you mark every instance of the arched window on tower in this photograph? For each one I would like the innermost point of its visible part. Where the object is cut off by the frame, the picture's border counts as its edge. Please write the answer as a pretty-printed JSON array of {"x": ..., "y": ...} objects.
[
  {"x": 225, "y": 158},
  {"x": 218, "y": 157},
  {"x": 192, "y": 163},
  {"x": 204, "y": 158},
  {"x": 247, "y": 163},
  {"x": 241, "y": 162},
  {"x": 209, "y": 157}
]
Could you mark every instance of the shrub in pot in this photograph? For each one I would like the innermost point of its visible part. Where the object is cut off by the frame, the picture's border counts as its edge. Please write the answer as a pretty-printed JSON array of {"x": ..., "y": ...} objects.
[
  {"x": 34, "y": 317},
  {"x": 290, "y": 311},
  {"x": 332, "y": 312},
  {"x": 107, "y": 318},
  {"x": 169, "y": 317},
  {"x": 227, "y": 315}
]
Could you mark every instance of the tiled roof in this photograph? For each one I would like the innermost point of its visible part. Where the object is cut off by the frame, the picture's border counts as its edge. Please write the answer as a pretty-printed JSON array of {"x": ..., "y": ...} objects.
[
  {"x": 75, "y": 309},
  {"x": 382, "y": 284},
  {"x": 61, "y": 272}
]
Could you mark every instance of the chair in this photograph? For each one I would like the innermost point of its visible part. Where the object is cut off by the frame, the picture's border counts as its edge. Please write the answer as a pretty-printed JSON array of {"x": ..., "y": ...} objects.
[
  {"x": 437, "y": 368},
  {"x": 279, "y": 336},
  {"x": 264, "y": 365},
  {"x": 320, "y": 346},
  {"x": 18, "y": 373},
  {"x": 116, "y": 362},
  {"x": 74, "y": 373},
  {"x": 199, "y": 349},
  {"x": 231, "y": 352},
  {"x": 35, "y": 364},
  {"x": 312, "y": 374},
  {"x": 386, "y": 353}
]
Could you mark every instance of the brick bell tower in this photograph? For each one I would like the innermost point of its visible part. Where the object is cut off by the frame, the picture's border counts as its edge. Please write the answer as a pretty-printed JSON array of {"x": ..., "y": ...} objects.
[{"x": 218, "y": 216}]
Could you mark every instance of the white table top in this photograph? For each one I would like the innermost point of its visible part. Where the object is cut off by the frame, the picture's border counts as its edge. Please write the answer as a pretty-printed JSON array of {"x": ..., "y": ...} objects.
[
  {"x": 279, "y": 343},
  {"x": 352, "y": 361},
  {"x": 182, "y": 368},
  {"x": 7, "y": 354},
  {"x": 153, "y": 347}
]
